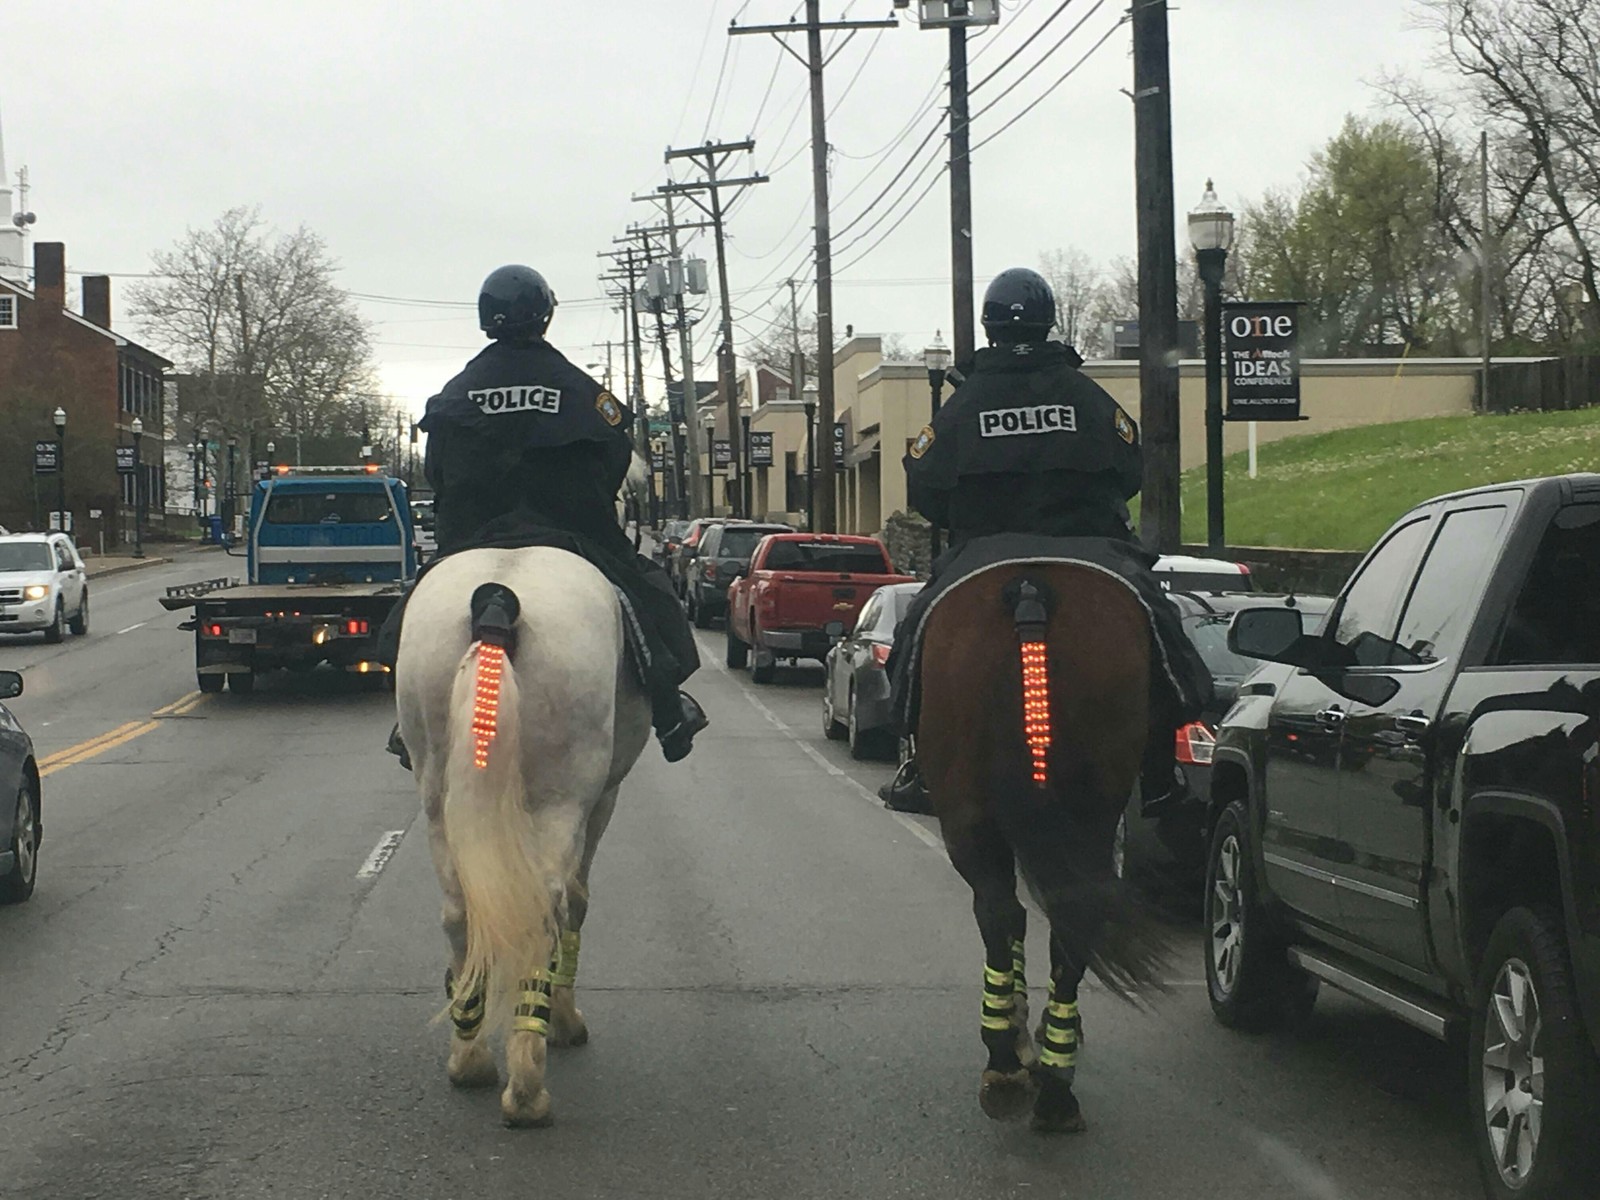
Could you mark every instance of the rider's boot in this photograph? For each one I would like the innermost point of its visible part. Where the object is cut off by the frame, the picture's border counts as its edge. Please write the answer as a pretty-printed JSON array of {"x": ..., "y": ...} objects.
[
  {"x": 677, "y": 718},
  {"x": 397, "y": 747},
  {"x": 906, "y": 792},
  {"x": 1161, "y": 783}
]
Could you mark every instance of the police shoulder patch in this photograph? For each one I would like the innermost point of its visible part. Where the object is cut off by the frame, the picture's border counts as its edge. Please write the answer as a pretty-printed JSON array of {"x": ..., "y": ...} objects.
[
  {"x": 923, "y": 441},
  {"x": 609, "y": 409},
  {"x": 1123, "y": 424}
]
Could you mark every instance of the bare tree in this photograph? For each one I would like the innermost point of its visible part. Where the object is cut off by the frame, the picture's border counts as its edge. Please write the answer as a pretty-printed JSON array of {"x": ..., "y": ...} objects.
[{"x": 1077, "y": 283}]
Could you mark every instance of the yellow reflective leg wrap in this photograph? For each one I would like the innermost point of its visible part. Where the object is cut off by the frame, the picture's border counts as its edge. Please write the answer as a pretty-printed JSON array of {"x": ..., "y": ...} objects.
[
  {"x": 466, "y": 1012},
  {"x": 564, "y": 971},
  {"x": 1060, "y": 1048},
  {"x": 532, "y": 1013},
  {"x": 997, "y": 998},
  {"x": 1019, "y": 975}
]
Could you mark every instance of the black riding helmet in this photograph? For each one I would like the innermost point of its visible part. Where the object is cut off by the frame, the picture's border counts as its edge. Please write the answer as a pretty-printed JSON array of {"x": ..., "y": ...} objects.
[
  {"x": 1018, "y": 307},
  {"x": 515, "y": 301}
]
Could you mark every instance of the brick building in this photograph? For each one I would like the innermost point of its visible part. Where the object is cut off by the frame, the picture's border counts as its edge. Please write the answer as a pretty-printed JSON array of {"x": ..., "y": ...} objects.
[{"x": 53, "y": 357}]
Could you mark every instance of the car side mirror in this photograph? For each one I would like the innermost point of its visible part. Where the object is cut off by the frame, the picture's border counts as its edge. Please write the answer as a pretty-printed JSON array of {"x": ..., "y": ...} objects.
[
  {"x": 1372, "y": 690},
  {"x": 10, "y": 684},
  {"x": 834, "y": 630},
  {"x": 1278, "y": 635},
  {"x": 228, "y": 547}
]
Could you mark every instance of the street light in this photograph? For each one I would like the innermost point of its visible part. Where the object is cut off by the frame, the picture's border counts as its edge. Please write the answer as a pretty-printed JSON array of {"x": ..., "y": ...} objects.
[
  {"x": 1211, "y": 234},
  {"x": 937, "y": 357},
  {"x": 811, "y": 465},
  {"x": 60, "y": 417},
  {"x": 137, "y": 429},
  {"x": 233, "y": 485}
]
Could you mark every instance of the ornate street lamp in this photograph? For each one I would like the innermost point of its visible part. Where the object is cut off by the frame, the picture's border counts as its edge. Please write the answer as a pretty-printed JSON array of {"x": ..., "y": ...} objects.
[
  {"x": 60, "y": 418},
  {"x": 137, "y": 429},
  {"x": 937, "y": 357},
  {"x": 1211, "y": 234},
  {"x": 811, "y": 465}
]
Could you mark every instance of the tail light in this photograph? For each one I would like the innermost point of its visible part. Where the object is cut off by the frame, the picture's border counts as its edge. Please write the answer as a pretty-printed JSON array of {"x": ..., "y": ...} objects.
[
  {"x": 711, "y": 572},
  {"x": 357, "y": 628},
  {"x": 213, "y": 630},
  {"x": 1195, "y": 744},
  {"x": 880, "y": 654}
]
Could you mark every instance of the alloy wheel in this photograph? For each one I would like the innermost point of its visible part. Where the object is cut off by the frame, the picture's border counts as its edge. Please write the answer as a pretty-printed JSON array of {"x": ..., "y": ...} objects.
[
  {"x": 1513, "y": 1072},
  {"x": 26, "y": 834},
  {"x": 1226, "y": 912}
]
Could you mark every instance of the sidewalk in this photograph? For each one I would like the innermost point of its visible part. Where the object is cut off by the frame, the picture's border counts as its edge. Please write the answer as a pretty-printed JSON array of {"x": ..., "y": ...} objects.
[{"x": 115, "y": 564}]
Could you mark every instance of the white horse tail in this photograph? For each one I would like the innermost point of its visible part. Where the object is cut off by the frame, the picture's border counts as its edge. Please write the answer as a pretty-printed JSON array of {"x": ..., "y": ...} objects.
[{"x": 511, "y": 888}]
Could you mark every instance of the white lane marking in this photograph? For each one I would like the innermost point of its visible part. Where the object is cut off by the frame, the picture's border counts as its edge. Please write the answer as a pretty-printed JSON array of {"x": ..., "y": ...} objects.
[
  {"x": 381, "y": 854},
  {"x": 131, "y": 628}
]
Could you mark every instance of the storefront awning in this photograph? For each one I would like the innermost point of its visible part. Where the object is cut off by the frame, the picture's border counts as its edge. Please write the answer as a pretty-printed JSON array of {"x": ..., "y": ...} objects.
[{"x": 861, "y": 451}]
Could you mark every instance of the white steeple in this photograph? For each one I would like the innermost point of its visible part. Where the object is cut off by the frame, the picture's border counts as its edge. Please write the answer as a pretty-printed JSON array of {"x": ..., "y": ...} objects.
[{"x": 13, "y": 241}]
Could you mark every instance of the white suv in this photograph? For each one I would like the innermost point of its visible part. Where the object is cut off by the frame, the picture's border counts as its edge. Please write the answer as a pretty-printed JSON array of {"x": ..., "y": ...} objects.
[{"x": 43, "y": 585}]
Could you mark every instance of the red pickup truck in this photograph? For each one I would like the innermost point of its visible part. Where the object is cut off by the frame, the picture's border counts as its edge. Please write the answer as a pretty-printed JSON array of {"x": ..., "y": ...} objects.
[{"x": 797, "y": 584}]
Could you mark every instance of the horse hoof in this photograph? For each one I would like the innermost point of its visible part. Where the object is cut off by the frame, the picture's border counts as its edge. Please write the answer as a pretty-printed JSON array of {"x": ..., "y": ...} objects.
[
  {"x": 522, "y": 1113},
  {"x": 578, "y": 1036},
  {"x": 472, "y": 1067},
  {"x": 1058, "y": 1114},
  {"x": 1005, "y": 1096}
]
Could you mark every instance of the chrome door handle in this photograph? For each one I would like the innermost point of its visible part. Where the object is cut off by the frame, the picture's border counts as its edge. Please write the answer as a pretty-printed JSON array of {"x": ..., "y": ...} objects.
[
  {"x": 1331, "y": 716},
  {"x": 1412, "y": 724}
]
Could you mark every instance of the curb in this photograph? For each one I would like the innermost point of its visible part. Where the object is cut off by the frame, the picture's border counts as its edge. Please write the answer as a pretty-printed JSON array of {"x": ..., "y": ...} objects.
[{"x": 124, "y": 568}]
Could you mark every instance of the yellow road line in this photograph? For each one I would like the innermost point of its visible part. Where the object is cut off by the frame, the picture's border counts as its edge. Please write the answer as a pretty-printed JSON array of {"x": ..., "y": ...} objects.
[{"x": 119, "y": 736}]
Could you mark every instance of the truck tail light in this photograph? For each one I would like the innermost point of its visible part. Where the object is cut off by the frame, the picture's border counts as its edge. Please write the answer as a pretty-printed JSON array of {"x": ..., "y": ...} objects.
[
  {"x": 357, "y": 628},
  {"x": 880, "y": 654},
  {"x": 213, "y": 629},
  {"x": 711, "y": 572},
  {"x": 1195, "y": 744}
]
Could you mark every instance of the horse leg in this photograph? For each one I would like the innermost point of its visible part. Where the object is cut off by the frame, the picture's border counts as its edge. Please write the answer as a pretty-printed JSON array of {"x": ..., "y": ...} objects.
[
  {"x": 471, "y": 1065},
  {"x": 985, "y": 861},
  {"x": 1056, "y": 1110},
  {"x": 567, "y": 1027},
  {"x": 525, "y": 1102}
]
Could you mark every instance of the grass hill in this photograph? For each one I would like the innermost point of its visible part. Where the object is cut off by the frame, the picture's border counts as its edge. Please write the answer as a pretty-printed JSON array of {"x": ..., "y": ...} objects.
[{"x": 1341, "y": 490}]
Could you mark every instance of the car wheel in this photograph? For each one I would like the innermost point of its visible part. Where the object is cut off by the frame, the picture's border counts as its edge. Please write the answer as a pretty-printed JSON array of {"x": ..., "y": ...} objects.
[
  {"x": 242, "y": 683},
  {"x": 17, "y": 885},
  {"x": 738, "y": 650},
  {"x": 1533, "y": 1073},
  {"x": 80, "y": 622},
  {"x": 763, "y": 664},
  {"x": 865, "y": 744},
  {"x": 698, "y": 614},
  {"x": 1248, "y": 976},
  {"x": 210, "y": 683},
  {"x": 832, "y": 728},
  {"x": 57, "y": 627}
]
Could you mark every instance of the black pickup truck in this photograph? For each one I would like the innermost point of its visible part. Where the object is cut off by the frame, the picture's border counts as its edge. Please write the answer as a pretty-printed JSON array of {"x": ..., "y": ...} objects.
[{"x": 1403, "y": 805}]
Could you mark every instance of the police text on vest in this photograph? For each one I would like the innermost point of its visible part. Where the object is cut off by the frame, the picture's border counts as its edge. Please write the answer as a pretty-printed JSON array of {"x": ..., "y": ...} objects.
[
  {"x": 516, "y": 399},
  {"x": 1038, "y": 418}
]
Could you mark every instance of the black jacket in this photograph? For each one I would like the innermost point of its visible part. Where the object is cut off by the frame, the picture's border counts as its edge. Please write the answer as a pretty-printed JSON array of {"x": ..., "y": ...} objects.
[
  {"x": 1027, "y": 444},
  {"x": 523, "y": 430}
]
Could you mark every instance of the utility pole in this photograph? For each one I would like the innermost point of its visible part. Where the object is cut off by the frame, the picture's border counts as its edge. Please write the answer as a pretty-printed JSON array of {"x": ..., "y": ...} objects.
[
  {"x": 711, "y": 158},
  {"x": 1158, "y": 278},
  {"x": 814, "y": 63},
  {"x": 1486, "y": 302},
  {"x": 630, "y": 267},
  {"x": 963, "y": 333}
]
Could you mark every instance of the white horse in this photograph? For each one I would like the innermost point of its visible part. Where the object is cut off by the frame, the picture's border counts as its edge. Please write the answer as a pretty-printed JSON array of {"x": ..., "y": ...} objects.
[{"x": 518, "y": 788}]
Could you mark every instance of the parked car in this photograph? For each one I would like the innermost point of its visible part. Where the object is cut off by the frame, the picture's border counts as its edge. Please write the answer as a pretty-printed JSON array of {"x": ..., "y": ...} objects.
[
  {"x": 668, "y": 540},
  {"x": 20, "y": 827},
  {"x": 43, "y": 585},
  {"x": 1402, "y": 806},
  {"x": 723, "y": 554},
  {"x": 798, "y": 584},
  {"x": 855, "y": 690},
  {"x": 1184, "y": 573},
  {"x": 683, "y": 554},
  {"x": 1165, "y": 845}
]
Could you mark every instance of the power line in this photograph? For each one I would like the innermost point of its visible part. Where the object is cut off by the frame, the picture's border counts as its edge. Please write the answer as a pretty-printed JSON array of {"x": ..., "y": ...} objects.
[
  {"x": 898, "y": 223},
  {"x": 1084, "y": 20},
  {"x": 1065, "y": 4},
  {"x": 1066, "y": 75},
  {"x": 898, "y": 175}
]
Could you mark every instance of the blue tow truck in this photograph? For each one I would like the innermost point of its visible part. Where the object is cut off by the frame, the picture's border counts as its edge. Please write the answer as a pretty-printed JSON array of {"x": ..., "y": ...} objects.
[{"x": 329, "y": 553}]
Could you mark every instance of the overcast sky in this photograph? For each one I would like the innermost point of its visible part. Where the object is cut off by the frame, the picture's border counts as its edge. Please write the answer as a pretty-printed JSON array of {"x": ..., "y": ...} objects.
[{"x": 428, "y": 142}]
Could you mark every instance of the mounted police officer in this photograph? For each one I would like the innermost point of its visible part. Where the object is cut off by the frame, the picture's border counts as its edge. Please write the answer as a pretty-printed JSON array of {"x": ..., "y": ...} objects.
[
  {"x": 1030, "y": 445},
  {"x": 523, "y": 440}
]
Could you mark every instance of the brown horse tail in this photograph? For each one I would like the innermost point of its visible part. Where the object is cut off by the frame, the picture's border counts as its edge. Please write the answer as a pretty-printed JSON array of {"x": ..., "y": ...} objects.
[{"x": 1061, "y": 831}]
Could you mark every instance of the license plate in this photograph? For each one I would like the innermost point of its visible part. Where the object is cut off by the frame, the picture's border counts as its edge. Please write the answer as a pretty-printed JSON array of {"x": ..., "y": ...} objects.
[{"x": 242, "y": 637}]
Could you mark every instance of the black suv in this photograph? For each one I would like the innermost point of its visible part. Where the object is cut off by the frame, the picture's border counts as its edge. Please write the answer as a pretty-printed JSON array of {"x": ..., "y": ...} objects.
[
  {"x": 1404, "y": 806},
  {"x": 724, "y": 554}
]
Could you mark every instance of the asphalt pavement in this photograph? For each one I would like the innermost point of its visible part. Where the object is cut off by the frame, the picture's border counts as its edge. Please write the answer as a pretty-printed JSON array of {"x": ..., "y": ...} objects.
[{"x": 213, "y": 993}]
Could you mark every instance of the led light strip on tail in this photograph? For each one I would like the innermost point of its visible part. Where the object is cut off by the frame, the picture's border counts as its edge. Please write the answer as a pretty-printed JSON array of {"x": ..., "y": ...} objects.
[
  {"x": 1036, "y": 708},
  {"x": 486, "y": 701}
]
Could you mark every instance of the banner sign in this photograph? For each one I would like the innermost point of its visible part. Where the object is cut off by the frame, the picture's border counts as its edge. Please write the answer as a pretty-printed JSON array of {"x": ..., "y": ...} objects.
[
  {"x": 761, "y": 448},
  {"x": 721, "y": 453},
  {"x": 1261, "y": 361},
  {"x": 125, "y": 460},
  {"x": 46, "y": 458},
  {"x": 658, "y": 460},
  {"x": 838, "y": 443}
]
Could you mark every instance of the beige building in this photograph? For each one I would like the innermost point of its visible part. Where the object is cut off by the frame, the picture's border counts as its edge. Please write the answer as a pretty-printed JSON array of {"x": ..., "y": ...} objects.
[{"x": 883, "y": 405}]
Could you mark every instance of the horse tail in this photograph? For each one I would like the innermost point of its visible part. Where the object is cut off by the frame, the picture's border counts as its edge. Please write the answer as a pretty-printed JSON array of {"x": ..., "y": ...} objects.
[
  {"x": 511, "y": 891},
  {"x": 1101, "y": 922}
]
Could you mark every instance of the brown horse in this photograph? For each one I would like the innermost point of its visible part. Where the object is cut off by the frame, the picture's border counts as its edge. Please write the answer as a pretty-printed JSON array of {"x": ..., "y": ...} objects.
[{"x": 1035, "y": 684}]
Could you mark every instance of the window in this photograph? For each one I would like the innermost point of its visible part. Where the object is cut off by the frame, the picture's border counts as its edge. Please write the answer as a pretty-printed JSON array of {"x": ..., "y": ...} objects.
[
  {"x": 739, "y": 542},
  {"x": 24, "y": 556},
  {"x": 8, "y": 311},
  {"x": 1368, "y": 615},
  {"x": 869, "y": 615},
  {"x": 1444, "y": 601},
  {"x": 825, "y": 557},
  {"x": 63, "y": 557},
  {"x": 329, "y": 508},
  {"x": 1556, "y": 617}
]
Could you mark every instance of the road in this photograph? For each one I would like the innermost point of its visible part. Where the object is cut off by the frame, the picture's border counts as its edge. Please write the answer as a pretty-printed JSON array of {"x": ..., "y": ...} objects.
[{"x": 207, "y": 998}]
